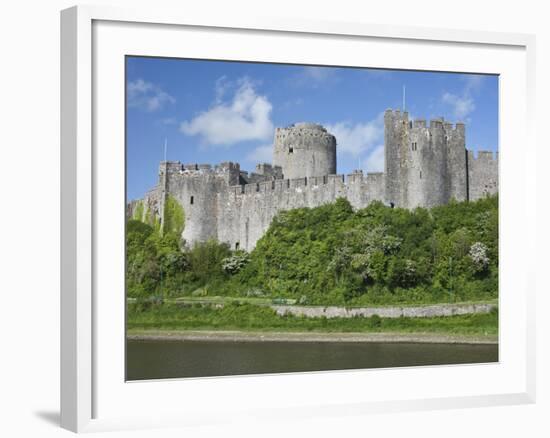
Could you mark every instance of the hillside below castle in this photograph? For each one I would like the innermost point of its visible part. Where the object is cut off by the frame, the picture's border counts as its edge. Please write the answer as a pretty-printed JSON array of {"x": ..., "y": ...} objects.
[{"x": 425, "y": 165}]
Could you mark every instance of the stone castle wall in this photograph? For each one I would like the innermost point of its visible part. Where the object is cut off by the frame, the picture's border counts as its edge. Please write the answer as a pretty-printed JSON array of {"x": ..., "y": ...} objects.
[
  {"x": 245, "y": 212},
  {"x": 482, "y": 174},
  {"x": 240, "y": 214},
  {"x": 424, "y": 166}
]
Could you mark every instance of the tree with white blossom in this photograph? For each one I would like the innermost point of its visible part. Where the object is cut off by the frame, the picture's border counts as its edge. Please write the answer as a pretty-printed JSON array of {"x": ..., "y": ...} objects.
[{"x": 478, "y": 254}]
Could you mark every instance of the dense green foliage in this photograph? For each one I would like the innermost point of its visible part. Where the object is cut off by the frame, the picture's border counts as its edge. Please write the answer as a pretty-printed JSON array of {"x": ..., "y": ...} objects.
[
  {"x": 331, "y": 255},
  {"x": 250, "y": 317},
  {"x": 138, "y": 211},
  {"x": 174, "y": 216},
  {"x": 152, "y": 259}
]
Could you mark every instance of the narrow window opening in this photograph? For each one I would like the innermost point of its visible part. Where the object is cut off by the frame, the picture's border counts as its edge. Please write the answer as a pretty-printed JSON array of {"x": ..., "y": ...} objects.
[
  {"x": 420, "y": 174},
  {"x": 305, "y": 181},
  {"x": 257, "y": 187},
  {"x": 291, "y": 150},
  {"x": 192, "y": 200},
  {"x": 237, "y": 244}
]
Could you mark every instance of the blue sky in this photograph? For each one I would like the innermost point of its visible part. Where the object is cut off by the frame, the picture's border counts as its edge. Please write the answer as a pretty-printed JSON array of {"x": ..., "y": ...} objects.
[{"x": 213, "y": 111}]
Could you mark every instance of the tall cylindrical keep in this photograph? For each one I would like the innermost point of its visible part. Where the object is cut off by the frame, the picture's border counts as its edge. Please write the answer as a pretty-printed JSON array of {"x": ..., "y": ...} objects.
[{"x": 304, "y": 150}]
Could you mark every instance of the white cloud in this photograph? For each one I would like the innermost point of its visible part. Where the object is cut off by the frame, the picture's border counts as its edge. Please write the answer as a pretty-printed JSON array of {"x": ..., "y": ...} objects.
[
  {"x": 222, "y": 85},
  {"x": 246, "y": 117},
  {"x": 261, "y": 154},
  {"x": 358, "y": 138},
  {"x": 473, "y": 82},
  {"x": 462, "y": 105},
  {"x": 147, "y": 96},
  {"x": 314, "y": 76},
  {"x": 375, "y": 160},
  {"x": 318, "y": 74}
]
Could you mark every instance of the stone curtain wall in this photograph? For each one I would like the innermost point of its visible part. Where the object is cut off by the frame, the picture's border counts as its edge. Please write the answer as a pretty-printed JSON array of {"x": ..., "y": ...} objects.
[
  {"x": 245, "y": 212},
  {"x": 482, "y": 174}
]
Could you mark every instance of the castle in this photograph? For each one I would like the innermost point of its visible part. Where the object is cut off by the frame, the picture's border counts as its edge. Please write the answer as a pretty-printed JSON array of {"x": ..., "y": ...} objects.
[{"x": 424, "y": 166}]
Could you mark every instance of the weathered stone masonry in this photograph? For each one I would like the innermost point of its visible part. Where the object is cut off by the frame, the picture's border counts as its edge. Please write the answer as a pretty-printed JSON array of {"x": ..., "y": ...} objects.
[{"x": 424, "y": 166}]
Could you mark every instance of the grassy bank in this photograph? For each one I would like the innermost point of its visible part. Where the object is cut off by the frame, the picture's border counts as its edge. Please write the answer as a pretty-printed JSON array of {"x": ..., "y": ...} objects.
[
  {"x": 248, "y": 317},
  {"x": 222, "y": 300}
]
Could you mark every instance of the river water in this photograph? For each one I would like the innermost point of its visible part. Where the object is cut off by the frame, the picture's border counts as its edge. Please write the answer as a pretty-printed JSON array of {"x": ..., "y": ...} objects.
[{"x": 172, "y": 359}]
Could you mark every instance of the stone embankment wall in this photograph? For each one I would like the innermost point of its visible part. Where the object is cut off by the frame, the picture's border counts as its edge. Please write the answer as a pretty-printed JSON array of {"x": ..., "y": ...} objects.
[{"x": 384, "y": 312}]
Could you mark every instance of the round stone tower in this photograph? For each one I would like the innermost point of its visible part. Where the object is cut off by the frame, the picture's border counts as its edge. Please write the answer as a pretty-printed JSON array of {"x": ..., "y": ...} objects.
[{"x": 304, "y": 150}]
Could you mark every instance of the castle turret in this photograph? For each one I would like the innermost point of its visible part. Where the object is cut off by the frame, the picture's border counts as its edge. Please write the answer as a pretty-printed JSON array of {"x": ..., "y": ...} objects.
[
  {"x": 424, "y": 165},
  {"x": 304, "y": 150},
  {"x": 195, "y": 188}
]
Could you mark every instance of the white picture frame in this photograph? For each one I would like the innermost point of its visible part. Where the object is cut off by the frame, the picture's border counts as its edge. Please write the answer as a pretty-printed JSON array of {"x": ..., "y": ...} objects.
[{"x": 92, "y": 394}]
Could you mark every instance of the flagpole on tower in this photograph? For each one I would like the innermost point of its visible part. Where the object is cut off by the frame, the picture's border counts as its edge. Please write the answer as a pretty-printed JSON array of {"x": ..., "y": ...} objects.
[
  {"x": 404, "y": 97},
  {"x": 165, "y": 148}
]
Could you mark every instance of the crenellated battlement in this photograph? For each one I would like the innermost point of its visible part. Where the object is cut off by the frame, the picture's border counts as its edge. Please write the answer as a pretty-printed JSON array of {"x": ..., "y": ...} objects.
[
  {"x": 198, "y": 168},
  {"x": 426, "y": 164},
  {"x": 302, "y": 129},
  {"x": 344, "y": 182},
  {"x": 437, "y": 123},
  {"x": 402, "y": 117},
  {"x": 397, "y": 113},
  {"x": 483, "y": 156}
]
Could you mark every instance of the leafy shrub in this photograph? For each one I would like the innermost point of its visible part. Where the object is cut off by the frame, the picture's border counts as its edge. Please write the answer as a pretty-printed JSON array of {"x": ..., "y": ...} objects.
[{"x": 234, "y": 263}]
